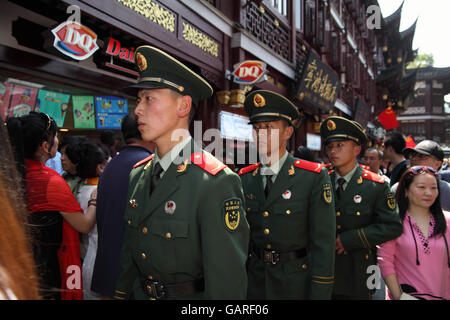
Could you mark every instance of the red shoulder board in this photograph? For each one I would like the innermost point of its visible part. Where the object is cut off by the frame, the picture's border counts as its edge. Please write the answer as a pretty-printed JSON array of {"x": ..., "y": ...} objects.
[
  {"x": 249, "y": 168},
  {"x": 207, "y": 162},
  {"x": 311, "y": 166},
  {"x": 143, "y": 161},
  {"x": 364, "y": 167},
  {"x": 369, "y": 175}
]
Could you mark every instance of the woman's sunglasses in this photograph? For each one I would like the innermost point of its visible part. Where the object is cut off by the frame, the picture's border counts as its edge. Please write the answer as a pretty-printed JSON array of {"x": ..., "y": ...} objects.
[{"x": 420, "y": 169}]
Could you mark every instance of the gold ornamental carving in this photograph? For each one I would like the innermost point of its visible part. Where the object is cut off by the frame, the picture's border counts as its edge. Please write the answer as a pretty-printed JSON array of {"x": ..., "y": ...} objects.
[
  {"x": 153, "y": 12},
  {"x": 200, "y": 40}
]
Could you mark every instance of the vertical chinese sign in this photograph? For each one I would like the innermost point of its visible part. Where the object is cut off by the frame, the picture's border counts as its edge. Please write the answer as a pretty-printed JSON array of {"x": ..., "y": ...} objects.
[{"x": 318, "y": 85}]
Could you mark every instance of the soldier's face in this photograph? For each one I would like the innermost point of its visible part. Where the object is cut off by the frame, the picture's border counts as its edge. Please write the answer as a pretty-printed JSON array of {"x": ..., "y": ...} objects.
[
  {"x": 343, "y": 152},
  {"x": 158, "y": 113},
  {"x": 271, "y": 137}
]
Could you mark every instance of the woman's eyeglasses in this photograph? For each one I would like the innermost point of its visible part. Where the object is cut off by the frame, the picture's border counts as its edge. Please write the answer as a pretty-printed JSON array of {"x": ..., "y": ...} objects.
[{"x": 420, "y": 169}]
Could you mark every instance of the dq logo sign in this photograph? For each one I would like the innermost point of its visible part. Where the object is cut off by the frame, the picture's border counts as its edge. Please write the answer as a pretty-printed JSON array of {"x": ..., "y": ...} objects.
[
  {"x": 75, "y": 40},
  {"x": 249, "y": 72}
]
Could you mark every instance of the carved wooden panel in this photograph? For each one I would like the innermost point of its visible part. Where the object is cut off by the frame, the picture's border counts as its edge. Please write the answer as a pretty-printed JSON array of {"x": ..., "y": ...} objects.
[{"x": 262, "y": 25}]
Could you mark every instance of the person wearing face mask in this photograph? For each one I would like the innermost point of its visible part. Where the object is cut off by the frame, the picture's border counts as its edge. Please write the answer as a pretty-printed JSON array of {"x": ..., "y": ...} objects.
[{"x": 416, "y": 265}]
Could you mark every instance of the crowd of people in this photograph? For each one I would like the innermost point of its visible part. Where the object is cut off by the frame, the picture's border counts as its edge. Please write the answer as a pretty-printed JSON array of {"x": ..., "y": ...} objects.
[{"x": 136, "y": 224}]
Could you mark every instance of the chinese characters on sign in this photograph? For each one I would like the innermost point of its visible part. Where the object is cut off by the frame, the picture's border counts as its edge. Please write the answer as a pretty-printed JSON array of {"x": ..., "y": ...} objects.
[{"x": 318, "y": 85}]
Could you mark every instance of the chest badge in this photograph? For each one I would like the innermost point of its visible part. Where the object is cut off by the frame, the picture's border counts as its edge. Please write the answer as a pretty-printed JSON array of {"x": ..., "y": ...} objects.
[
  {"x": 250, "y": 196},
  {"x": 133, "y": 203},
  {"x": 170, "y": 207},
  {"x": 287, "y": 195},
  {"x": 357, "y": 198},
  {"x": 360, "y": 180}
]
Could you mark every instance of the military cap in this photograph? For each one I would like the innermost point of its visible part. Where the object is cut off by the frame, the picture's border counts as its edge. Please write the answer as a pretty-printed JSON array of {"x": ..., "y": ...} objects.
[
  {"x": 158, "y": 70},
  {"x": 265, "y": 105},
  {"x": 338, "y": 128}
]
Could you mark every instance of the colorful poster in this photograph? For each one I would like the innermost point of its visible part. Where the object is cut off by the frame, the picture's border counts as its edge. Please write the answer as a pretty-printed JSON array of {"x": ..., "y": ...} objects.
[
  {"x": 110, "y": 111},
  {"x": 83, "y": 112},
  {"x": 23, "y": 100},
  {"x": 54, "y": 104},
  {"x": 5, "y": 95}
]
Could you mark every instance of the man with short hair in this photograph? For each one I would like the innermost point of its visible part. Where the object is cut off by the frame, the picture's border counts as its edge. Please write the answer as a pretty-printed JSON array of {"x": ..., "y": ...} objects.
[
  {"x": 289, "y": 207},
  {"x": 393, "y": 148},
  {"x": 366, "y": 210},
  {"x": 429, "y": 153},
  {"x": 186, "y": 233},
  {"x": 111, "y": 203},
  {"x": 373, "y": 158}
]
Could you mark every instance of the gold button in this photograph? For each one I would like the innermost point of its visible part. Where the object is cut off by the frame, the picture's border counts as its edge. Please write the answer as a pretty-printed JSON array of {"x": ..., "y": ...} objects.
[
  {"x": 129, "y": 222},
  {"x": 268, "y": 246},
  {"x": 144, "y": 230},
  {"x": 143, "y": 256},
  {"x": 265, "y": 214},
  {"x": 266, "y": 231},
  {"x": 338, "y": 227},
  {"x": 168, "y": 235},
  {"x": 149, "y": 277},
  {"x": 133, "y": 203},
  {"x": 304, "y": 267},
  {"x": 358, "y": 213},
  {"x": 367, "y": 257},
  {"x": 249, "y": 209},
  {"x": 345, "y": 252},
  {"x": 338, "y": 214},
  {"x": 288, "y": 211}
]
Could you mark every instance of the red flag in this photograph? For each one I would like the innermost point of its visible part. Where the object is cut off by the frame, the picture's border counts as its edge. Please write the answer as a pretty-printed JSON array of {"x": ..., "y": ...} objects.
[
  {"x": 410, "y": 142},
  {"x": 388, "y": 118}
]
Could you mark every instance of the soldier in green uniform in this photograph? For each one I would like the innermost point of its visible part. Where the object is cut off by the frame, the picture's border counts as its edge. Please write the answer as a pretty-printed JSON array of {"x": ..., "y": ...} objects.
[
  {"x": 366, "y": 211},
  {"x": 290, "y": 210},
  {"x": 186, "y": 231}
]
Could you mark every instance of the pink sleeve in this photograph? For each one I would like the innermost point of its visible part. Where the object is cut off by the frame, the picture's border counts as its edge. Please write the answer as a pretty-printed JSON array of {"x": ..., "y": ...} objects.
[{"x": 386, "y": 255}]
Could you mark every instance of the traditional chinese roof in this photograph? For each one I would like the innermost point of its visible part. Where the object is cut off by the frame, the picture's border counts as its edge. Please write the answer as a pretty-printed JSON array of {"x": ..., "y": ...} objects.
[{"x": 393, "y": 21}]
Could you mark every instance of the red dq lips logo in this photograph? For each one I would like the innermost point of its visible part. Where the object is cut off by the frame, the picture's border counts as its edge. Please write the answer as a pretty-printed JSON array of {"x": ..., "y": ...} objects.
[
  {"x": 249, "y": 72},
  {"x": 75, "y": 40}
]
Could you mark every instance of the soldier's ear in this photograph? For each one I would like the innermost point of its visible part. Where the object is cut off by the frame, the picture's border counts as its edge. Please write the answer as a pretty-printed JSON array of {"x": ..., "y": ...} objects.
[{"x": 184, "y": 108}]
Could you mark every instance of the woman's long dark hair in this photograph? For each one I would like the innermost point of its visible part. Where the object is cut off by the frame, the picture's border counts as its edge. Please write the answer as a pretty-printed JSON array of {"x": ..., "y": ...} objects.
[
  {"x": 27, "y": 133},
  {"x": 435, "y": 209}
]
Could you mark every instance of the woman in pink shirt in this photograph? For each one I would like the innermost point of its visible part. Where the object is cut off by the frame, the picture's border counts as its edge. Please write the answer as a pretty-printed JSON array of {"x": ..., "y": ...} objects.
[{"x": 416, "y": 265}]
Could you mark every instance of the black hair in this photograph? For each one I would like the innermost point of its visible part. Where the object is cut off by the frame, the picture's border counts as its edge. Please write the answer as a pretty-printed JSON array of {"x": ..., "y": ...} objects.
[
  {"x": 305, "y": 153},
  {"x": 68, "y": 140},
  {"x": 27, "y": 134},
  {"x": 435, "y": 209},
  {"x": 397, "y": 141},
  {"x": 87, "y": 155},
  {"x": 379, "y": 152},
  {"x": 130, "y": 128},
  {"x": 107, "y": 137}
]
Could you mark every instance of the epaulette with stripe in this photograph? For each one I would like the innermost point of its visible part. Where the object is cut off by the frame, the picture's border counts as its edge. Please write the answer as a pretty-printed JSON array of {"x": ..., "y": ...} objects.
[
  {"x": 369, "y": 175},
  {"x": 310, "y": 166},
  {"x": 364, "y": 166},
  {"x": 143, "y": 161},
  {"x": 207, "y": 162},
  {"x": 249, "y": 168}
]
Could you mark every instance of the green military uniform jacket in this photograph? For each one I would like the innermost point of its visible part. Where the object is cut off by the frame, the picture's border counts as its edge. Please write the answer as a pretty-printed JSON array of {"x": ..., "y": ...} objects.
[
  {"x": 366, "y": 216},
  {"x": 192, "y": 226},
  {"x": 298, "y": 213}
]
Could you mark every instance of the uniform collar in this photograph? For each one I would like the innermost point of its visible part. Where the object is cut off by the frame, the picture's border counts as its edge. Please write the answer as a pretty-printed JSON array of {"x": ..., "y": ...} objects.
[
  {"x": 168, "y": 158},
  {"x": 348, "y": 176},
  {"x": 274, "y": 169}
]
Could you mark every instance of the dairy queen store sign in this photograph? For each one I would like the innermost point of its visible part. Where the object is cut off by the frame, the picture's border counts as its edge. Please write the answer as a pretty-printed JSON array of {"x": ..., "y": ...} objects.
[{"x": 75, "y": 40}]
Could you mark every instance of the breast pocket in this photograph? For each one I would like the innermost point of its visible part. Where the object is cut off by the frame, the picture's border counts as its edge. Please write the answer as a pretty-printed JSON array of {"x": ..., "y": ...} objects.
[{"x": 170, "y": 244}]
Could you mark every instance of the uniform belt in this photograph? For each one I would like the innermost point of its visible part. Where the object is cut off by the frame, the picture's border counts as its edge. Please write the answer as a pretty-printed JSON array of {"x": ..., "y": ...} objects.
[
  {"x": 274, "y": 257},
  {"x": 159, "y": 290}
]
